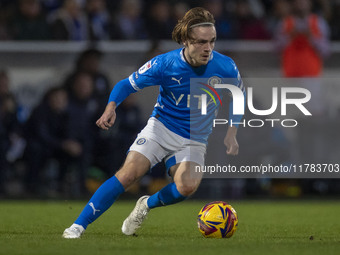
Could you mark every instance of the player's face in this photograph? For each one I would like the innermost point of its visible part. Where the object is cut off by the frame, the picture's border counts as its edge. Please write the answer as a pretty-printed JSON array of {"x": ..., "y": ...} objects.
[{"x": 198, "y": 49}]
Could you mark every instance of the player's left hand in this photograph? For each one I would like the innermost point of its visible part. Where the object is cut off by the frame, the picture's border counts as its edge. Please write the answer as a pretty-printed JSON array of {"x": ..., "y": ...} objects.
[{"x": 231, "y": 142}]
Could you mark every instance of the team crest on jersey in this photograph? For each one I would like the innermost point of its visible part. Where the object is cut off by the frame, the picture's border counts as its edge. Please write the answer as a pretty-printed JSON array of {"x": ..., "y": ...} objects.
[
  {"x": 146, "y": 67},
  {"x": 141, "y": 141},
  {"x": 214, "y": 80}
]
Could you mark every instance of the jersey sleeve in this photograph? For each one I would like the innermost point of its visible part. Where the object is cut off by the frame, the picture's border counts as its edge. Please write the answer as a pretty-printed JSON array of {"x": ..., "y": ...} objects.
[
  {"x": 121, "y": 91},
  {"x": 236, "y": 74},
  {"x": 149, "y": 74},
  {"x": 237, "y": 81}
]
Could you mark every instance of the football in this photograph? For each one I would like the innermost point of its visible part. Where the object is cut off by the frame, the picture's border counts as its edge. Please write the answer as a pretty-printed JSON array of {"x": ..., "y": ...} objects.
[{"x": 217, "y": 219}]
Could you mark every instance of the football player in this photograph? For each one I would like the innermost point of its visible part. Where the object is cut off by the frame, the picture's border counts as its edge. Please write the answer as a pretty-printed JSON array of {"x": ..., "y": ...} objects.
[{"x": 175, "y": 132}]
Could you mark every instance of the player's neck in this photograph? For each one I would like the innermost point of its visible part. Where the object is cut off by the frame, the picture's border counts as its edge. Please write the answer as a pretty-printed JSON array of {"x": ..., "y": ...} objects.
[{"x": 190, "y": 60}]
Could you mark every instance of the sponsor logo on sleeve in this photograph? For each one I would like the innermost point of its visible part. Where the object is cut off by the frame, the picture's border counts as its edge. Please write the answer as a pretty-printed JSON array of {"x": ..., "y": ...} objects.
[{"x": 146, "y": 67}]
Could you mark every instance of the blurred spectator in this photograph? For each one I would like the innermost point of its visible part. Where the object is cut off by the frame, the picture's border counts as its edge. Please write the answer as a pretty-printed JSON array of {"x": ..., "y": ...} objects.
[
  {"x": 113, "y": 6},
  {"x": 158, "y": 19},
  {"x": 335, "y": 20},
  {"x": 323, "y": 8},
  {"x": 111, "y": 147},
  {"x": 268, "y": 5},
  {"x": 222, "y": 23},
  {"x": 82, "y": 112},
  {"x": 6, "y": 11},
  {"x": 4, "y": 83},
  {"x": 153, "y": 51},
  {"x": 89, "y": 62},
  {"x": 179, "y": 10},
  {"x": 47, "y": 138},
  {"x": 70, "y": 22},
  {"x": 78, "y": 20},
  {"x": 29, "y": 22},
  {"x": 129, "y": 23},
  {"x": 98, "y": 19},
  {"x": 247, "y": 25},
  {"x": 303, "y": 39},
  {"x": 50, "y": 6},
  {"x": 10, "y": 140},
  {"x": 6, "y": 119},
  {"x": 129, "y": 124},
  {"x": 280, "y": 10}
]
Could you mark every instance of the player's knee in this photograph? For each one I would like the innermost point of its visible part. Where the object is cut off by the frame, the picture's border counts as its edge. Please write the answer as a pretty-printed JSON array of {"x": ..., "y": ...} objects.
[
  {"x": 131, "y": 171},
  {"x": 186, "y": 189},
  {"x": 126, "y": 178}
]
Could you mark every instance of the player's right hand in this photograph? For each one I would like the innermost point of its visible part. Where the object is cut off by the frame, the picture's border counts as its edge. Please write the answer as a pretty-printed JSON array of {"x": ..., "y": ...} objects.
[{"x": 108, "y": 118}]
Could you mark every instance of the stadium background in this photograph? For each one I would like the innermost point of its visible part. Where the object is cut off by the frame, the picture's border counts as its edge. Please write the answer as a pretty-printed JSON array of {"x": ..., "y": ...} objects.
[{"x": 35, "y": 64}]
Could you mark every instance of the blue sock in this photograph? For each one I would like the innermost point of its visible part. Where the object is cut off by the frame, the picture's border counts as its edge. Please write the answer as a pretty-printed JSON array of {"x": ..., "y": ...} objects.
[
  {"x": 166, "y": 196},
  {"x": 101, "y": 200}
]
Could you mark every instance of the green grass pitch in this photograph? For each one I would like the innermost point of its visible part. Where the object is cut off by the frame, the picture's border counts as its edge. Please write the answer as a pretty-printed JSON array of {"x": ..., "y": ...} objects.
[{"x": 265, "y": 227}]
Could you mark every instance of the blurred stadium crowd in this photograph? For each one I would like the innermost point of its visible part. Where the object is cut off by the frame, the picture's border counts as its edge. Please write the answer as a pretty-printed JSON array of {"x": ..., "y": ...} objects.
[
  {"x": 77, "y": 20},
  {"x": 58, "y": 150},
  {"x": 59, "y": 136}
]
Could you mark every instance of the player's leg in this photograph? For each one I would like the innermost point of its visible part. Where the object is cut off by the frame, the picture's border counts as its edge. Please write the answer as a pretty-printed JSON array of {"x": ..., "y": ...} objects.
[
  {"x": 186, "y": 182},
  {"x": 166, "y": 196},
  {"x": 182, "y": 167},
  {"x": 134, "y": 167},
  {"x": 183, "y": 150},
  {"x": 154, "y": 152}
]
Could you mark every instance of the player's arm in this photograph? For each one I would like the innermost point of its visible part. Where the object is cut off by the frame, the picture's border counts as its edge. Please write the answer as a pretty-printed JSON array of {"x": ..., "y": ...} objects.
[
  {"x": 230, "y": 140},
  {"x": 148, "y": 75},
  {"x": 120, "y": 91}
]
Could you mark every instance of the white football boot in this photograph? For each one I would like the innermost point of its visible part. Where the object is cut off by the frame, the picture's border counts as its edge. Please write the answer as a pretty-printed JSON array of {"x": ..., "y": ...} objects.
[
  {"x": 75, "y": 231},
  {"x": 136, "y": 217}
]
